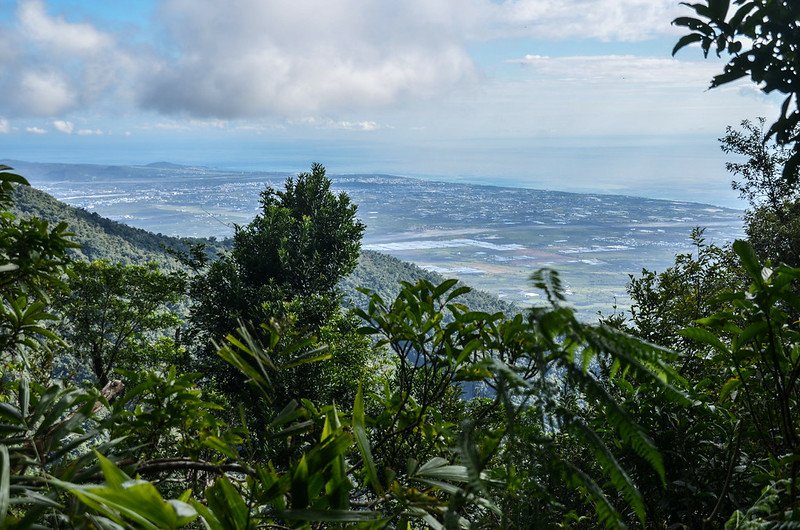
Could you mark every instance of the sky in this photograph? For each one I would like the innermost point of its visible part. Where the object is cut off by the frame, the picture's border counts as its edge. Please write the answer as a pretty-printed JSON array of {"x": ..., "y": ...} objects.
[{"x": 575, "y": 95}]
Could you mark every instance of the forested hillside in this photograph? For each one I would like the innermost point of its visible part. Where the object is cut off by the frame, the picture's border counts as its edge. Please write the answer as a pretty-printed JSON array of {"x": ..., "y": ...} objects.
[{"x": 102, "y": 238}]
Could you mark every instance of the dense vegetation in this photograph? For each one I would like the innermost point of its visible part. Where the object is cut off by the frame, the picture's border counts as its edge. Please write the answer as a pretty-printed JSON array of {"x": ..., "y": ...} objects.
[{"x": 231, "y": 387}]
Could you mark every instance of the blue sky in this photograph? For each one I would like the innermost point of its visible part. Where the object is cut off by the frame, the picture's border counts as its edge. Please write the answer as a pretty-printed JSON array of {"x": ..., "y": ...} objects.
[{"x": 563, "y": 94}]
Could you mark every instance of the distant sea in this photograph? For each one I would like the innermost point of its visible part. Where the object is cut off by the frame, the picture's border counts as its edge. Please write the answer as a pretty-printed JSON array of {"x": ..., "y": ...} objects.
[{"x": 690, "y": 169}]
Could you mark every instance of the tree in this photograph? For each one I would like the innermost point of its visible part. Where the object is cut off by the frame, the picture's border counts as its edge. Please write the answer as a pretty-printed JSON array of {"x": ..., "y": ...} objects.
[
  {"x": 664, "y": 303},
  {"x": 112, "y": 315},
  {"x": 760, "y": 183},
  {"x": 730, "y": 320},
  {"x": 284, "y": 267},
  {"x": 763, "y": 38},
  {"x": 697, "y": 441},
  {"x": 538, "y": 386},
  {"x": 305, "y": 239},
  {"x": 33, "y": 255},
  {"x": 758, "y": 343},
  {"x": 772, "y": 222}
]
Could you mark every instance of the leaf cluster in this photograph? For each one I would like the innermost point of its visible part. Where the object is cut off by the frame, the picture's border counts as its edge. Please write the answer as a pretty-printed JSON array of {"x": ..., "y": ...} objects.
[{"x": 762, "y": 38}]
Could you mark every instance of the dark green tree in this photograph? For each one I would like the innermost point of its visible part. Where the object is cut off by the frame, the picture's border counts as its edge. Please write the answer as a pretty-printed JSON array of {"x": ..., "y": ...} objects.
[
  {"x": 285, "y": 266},
  {"x": 33, "y": 255},
  {"x": 305, "y": 239}
]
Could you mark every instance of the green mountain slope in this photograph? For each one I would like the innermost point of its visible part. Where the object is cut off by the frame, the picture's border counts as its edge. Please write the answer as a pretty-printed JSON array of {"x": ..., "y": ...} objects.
[
  {"x": 99, "y": 237},
  {"x": 102, "y": 238}
]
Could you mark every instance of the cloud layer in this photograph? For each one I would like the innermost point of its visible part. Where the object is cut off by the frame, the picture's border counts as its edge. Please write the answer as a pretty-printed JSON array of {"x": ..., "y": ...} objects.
[
  {"x": 605, "y": 20},
  {"x": 268, "y": 58},
  {"x": 51, "y": 66}
]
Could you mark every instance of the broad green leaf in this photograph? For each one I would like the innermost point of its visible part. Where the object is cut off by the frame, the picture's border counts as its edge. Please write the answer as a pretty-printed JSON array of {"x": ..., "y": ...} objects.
[
  {"x": 704, "y": 337},
  {"x": 5, "y": 482},
  {"x": 227, "y": 505},
  {"x": 439, "y": 468},
  {"x": 752, "y": 331},
  {"x": 218, "y": 444},
  {"x": 749, "y": 260},
  {"x": 362, "y": 440},
  {"x": 730, "y": 385}
]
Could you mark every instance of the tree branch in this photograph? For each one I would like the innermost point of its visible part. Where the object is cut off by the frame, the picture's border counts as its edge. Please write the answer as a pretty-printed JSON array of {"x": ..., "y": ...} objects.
[{"x": 185, "y": 464}]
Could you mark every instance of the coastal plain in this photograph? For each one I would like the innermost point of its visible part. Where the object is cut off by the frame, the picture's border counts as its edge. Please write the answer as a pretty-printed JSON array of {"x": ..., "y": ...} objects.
[{"x": 491, "y": 237}]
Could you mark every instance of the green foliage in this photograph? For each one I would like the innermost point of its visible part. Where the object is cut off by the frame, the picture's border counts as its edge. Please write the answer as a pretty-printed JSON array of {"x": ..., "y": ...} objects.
[
  {"x": 41, "y": 429},
  {"x": 775, "y": 239},
  {"x": 384, "y": 275},
  {"x": 304, "y": 240},
  {"x": 166, "y": 417},
  {"x": 284, "y": 267},
  {"x": 767, "y": 513},
  {"x": 761, "y": 36},
  {"x": 698, "y": 441},
  {"x": 773, "y": 220},
  {"x": 132, "y": 503},
  {"x": 665, "y": 303},
  {"x": 460, "y": 418},
  {"x": 763, "y": 355},
  {"x": 760, "y": 182},
  {"x": 738, "y": 353},
  {"x": 32, "y": 257},
  {"x": 528, "y": 367},
  {"x": 111, "y": 312}
]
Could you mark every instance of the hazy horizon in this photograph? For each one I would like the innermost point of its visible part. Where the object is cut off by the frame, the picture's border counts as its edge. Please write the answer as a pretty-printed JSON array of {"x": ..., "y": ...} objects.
[{"x": 597, "y": 165}]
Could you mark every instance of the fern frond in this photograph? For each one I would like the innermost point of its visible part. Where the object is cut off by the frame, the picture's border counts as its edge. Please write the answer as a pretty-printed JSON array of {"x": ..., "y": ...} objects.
[
  {"x": 617, "y": 475},
  {"x": 630, "y": 432},
  {"x": 606, "y": 513}
]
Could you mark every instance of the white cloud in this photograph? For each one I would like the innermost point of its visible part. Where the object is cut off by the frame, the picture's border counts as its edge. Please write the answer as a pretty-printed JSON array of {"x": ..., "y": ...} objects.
[
  {"x": 263, "y": 64},
  {"x": 358, "y": 125},
  {"x": 5, "y": 126},
  {"x": 603, "y": 96},
  {"x": 62, "y": 126},
  {"x": 90, "y": 132},
  {"x": 35, "y": 130},
  {"x": 619, "y": 69},
  {"x": 345, "y": 125},
  {"x": 51, "y": 66},
  {"x": 607, "y": 20},
  {"x": 42, "y": 92},
  {"x": 58, "y": 35},
  {"x": 254, "y": 58}
]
